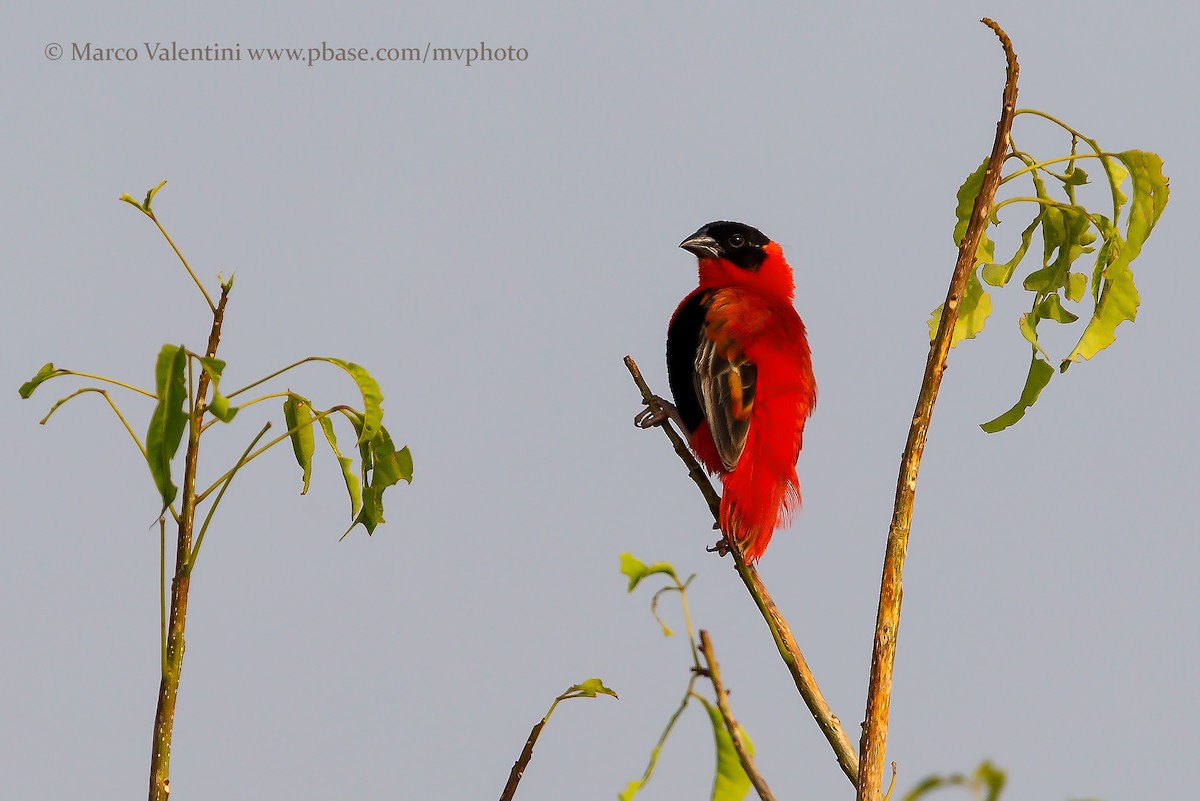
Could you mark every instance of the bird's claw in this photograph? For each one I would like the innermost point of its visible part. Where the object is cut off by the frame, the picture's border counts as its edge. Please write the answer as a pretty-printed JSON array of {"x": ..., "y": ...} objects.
[
  {"x": 649, "y": 418},
  {"x": 720, "y": 547}
]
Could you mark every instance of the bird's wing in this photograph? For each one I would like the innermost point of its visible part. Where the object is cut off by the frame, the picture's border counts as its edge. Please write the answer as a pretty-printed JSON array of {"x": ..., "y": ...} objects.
[{"x": 725, "y": 381}]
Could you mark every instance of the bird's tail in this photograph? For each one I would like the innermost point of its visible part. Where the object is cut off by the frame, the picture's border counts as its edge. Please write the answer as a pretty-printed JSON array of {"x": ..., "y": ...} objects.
[{"x": 756, "y": 502}]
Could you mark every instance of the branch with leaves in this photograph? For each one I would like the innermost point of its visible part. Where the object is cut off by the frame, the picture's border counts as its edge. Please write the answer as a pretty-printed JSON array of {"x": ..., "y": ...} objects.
[
  {"x": 188, "y": 399},
  {"x": 735, "y": 770}
]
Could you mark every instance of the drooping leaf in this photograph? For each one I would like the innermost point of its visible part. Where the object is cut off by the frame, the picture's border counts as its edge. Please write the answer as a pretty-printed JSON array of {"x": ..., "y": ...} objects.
[
  {"x": 1119, "y": 296},
  {"x": 372, "y": 397},
  {"x": 1076, "y": 286},
  {"x": 297, "y": 414},
  {"x": 731, "y": 782},
  {"x": 1075, "y": 177},
  {"x": 1069, "y": 236},
  {"x": 973, "y": 311},
  {"x": 1028, "y": 325},
  {"x": 1118, "y": 174},
  {"x": 353, "y": 488},
  {"x": 637, "y": 570},
  {"x": 47, "y": 372},
  {"x": 589, "y": 689},
  {"x": 1105, "y": 255},
  {"x": 219, "y": 406},
  {"x": 391, "y": 466},
  {"x": 168, "y": 420},
  {"x": 382, "y": 466},
  {"x": 1040, "y": 373},
  {"x": 1051, "y": 308},
  {"x": 998, "y": 275}
]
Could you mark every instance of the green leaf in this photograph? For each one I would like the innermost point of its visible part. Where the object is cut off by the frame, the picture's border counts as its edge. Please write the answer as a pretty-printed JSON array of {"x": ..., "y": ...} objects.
[
  {"x": 391, "y": 466},
  {"x": 47, "y": 372},
  {"x": 637, "y": 570},
  {"x": 1117, "y": 174},
  {"x": 1118, "y": 299},
  {"x": 731, "y": 782},
  {"x": 992, "y": 779},
  {"x": 1069, "y": 235},
  {"x": 998, "y": 275},
  {"x": 966, "y": 202},
  {"x": 973, "y": 312},
  {"x": 221, "y": 409},
  {"x": 168, "y": 419},
  {"x": 372, "y": 397},
  {"x": 589, "y": 689},
  {"x": 1075, "y": 177},
  {"x": 150, "y": 195},
  {"x": 220, "y": 404},
  {"x": 297, "y": 413},
  {"x": 352, "y": 486},
  {"x": 1051, "y": 309},
  {"x": 631, "y": 789},
  {"x": 933, "y": 783},
  {"x": 382, "y": 466},
  {"x": 1039, "y": 376},
  {"x": 1076, "y": 286},
  {"x": 1028, "y": 325}
]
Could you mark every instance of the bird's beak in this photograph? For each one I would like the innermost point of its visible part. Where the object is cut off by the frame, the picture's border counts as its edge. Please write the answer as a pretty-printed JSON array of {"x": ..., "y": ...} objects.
[{"x": 702, "y": 245}]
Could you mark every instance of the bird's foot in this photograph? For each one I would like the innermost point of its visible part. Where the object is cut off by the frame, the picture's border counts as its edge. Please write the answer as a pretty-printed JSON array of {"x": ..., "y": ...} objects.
[
  {"x": 649, "y": 418},
  {"x": 720, "y": 547}
]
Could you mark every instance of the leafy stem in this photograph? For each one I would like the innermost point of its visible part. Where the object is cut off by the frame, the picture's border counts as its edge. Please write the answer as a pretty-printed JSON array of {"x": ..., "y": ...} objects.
[
  {"x": 279, "y": 372},
  {"x": 1042, "y": 165},
  {"x": 1114, "y": 182},
  {"x": 247, "y": 459},
  {"x": 191, "y": 563}
]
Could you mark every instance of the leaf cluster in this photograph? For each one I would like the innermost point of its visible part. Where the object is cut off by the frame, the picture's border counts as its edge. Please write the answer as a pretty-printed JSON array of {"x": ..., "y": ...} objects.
[{"x": 1068, "y": 231}]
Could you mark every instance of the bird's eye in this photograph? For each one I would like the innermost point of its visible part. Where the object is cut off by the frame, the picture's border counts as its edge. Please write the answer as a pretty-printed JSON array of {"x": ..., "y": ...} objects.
[{"x": 736, "y": 240}]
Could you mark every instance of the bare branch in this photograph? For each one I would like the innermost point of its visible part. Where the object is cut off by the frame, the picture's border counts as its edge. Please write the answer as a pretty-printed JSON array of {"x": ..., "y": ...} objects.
[
  {"x": 735, "y": 733},
  {"x": 518, "y": 768}
]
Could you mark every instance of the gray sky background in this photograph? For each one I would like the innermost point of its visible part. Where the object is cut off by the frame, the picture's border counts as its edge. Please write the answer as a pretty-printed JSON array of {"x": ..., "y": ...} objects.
[{"x": 490, "y": 241}]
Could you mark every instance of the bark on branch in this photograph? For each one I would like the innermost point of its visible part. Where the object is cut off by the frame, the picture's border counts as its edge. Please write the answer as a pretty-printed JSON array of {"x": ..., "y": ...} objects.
[
  {"x": 883, "y": 656},
  {"x": 731, "y": 725}
]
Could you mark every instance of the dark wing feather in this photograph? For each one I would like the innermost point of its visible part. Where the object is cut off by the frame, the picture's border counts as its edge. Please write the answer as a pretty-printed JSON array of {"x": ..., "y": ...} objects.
[{"x": 725, "y": 382}]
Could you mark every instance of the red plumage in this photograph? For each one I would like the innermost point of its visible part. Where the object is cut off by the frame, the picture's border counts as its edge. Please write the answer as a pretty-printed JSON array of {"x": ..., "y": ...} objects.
[{"x": 741, "y": 373}]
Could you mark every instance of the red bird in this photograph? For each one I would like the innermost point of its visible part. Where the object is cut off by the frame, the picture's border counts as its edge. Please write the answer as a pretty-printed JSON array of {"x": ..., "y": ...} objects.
[{"x": 741, "y": 374}]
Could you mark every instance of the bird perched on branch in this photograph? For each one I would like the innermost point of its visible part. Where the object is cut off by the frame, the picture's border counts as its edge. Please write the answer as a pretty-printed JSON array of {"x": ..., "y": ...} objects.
[{"x": 741, "y": 375}]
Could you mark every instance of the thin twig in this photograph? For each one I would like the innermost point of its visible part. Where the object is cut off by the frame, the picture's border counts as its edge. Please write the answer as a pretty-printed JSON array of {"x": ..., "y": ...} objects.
[
  {"x": 713, "y": 671},
  {"x": 883, "y": 656},
  {"x": 780, "y": 631},
  {"x": 518, "y": 768},
  {"x": 695, "y": 471}
]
